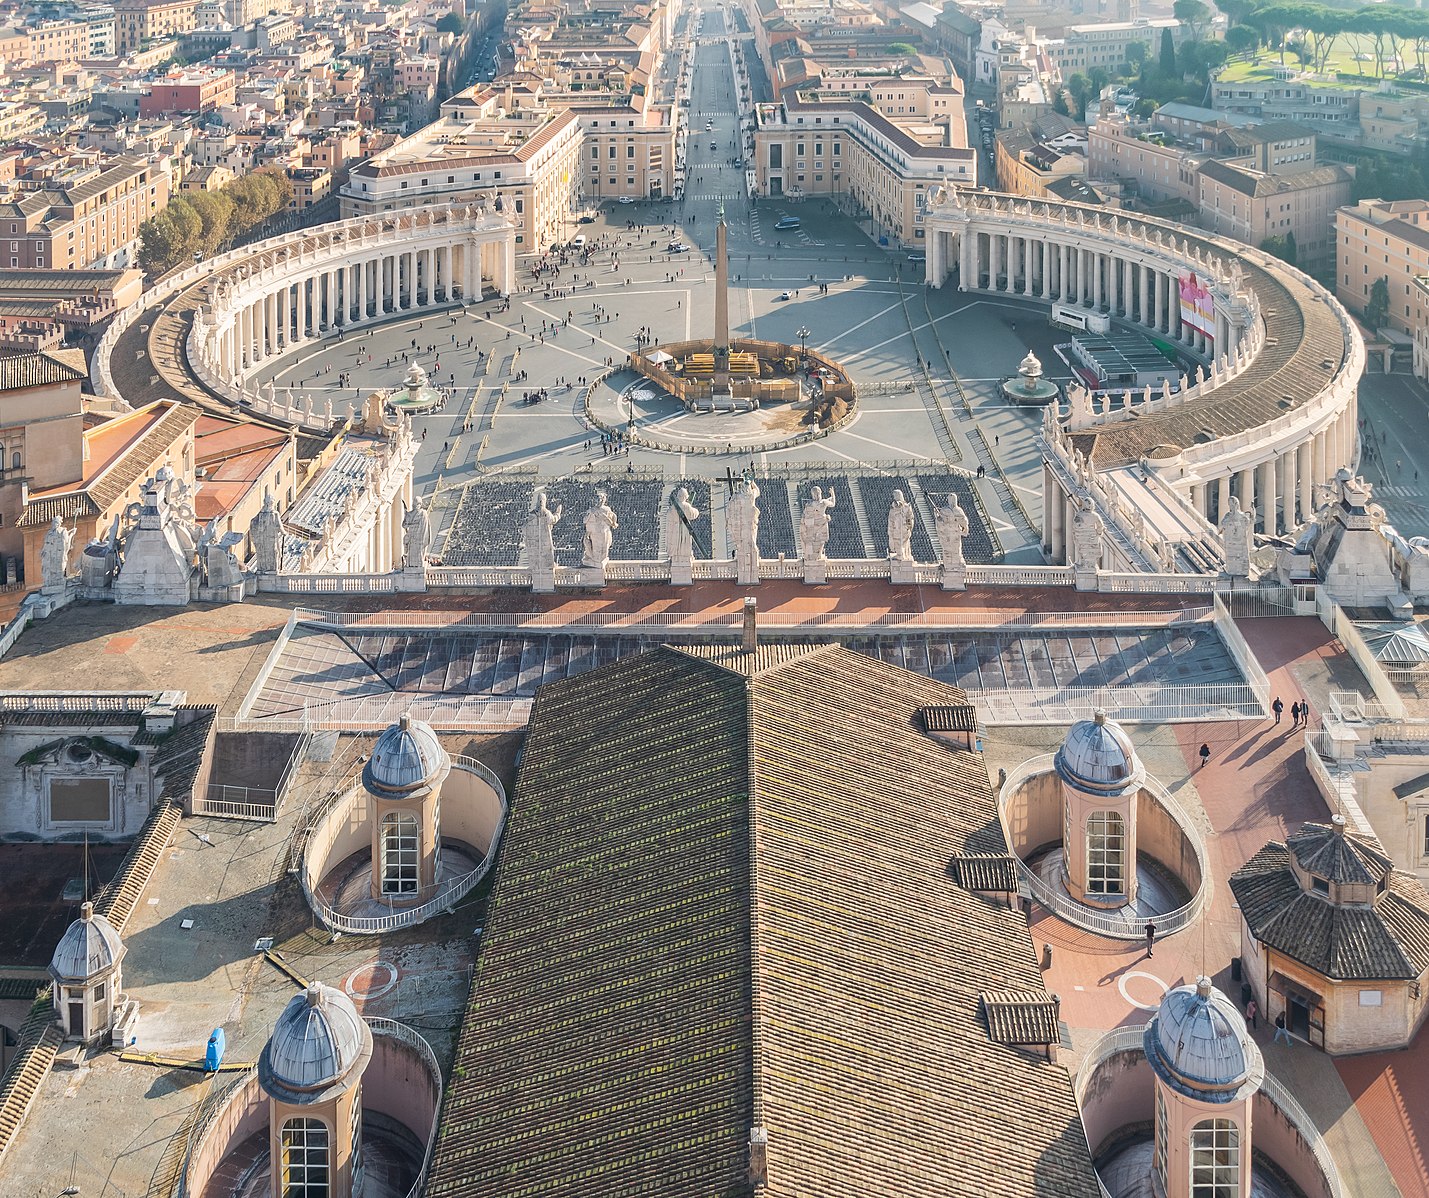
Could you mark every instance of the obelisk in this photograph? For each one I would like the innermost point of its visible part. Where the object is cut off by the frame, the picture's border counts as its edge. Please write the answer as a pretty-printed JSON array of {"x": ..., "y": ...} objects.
[{"x": 721, "y": 335}]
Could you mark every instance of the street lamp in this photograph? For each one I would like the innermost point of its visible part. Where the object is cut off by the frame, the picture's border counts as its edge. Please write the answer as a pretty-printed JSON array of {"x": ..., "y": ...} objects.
[{"x": 802, "y": 333}]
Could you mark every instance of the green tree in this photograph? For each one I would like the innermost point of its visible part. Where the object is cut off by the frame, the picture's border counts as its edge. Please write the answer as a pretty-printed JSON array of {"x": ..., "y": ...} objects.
[
  {"x": 1281, "y": 247},
  {"x": 1136, "y": 54},
  {"x": 215, "y": 212},
  {"x": 157, "y": 241},
  {"x": 1193, "y": 14},
  {"x": 451, "y": 23},
  {"x": 188, "y": 229},
  {"x": 1376, "y": 312},
  {"x": 1168, "y": 54},
  {"x": 1059, "y": 103},
  {"x": 1079, "y": 89},
  {"x": 901, "y": 48},
  {"x": 1241, "y": 39}
]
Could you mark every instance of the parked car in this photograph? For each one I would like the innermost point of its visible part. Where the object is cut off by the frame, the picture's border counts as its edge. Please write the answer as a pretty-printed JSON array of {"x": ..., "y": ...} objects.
[
  {"x": 917, "y": 257},
  {"x": 784, "y": 295},
  {"x": 585, "y": 218},
  {"x": 677, "y": 247},
  {"x": 578, "y": 241}
]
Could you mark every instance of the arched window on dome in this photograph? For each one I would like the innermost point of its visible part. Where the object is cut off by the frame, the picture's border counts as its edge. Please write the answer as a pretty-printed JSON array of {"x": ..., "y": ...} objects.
[
  {"x": 1106, "y": 853},
  {"x": 399, "y": 853},
  {"x": 355, "y": 1130},
  {"x": 307, "y": 1163},
  {"x": 1162, "y": 1136},
  {"x": 1215, "y": 1159}
]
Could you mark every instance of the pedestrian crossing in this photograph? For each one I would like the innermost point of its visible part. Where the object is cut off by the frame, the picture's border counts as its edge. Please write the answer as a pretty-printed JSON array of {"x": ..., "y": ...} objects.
[
  {"x": 728, "y": 199},
  {"x": 1399, "y": 492}
]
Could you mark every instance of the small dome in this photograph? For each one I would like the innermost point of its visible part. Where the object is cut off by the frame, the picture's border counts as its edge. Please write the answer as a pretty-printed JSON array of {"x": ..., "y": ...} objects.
[
  {"x": 319, "y": 1040},
  {"x": 407, "y": 761},
  {"x": 1197, "y": 1043},
  {"x": 1098, "y": 757},
  {"x": 90, "y": 947}
]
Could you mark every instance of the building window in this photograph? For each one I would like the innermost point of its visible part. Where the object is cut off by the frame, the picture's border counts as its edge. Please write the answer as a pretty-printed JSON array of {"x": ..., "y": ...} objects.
[
  {"x": 307, "y": 1169},
  {"x": 1106, "y": 853},
  {"x": 1371, "y": 998},
  {"x": 1215, "y": 1159},
  {"x": 399, "y": 853}
]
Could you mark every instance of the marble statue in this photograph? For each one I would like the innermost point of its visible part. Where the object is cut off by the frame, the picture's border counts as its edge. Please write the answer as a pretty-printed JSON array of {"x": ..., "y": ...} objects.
[
  {"x": 269, "y": 394},
  {"x": 1237, "y": 536},
  {"x": 266, "y": 530},
  {"x": 221, "y": 565},
  {"x": 814, "y": 524},
  {"x": 900, "y": 529},
  {"x": 414, "y": 536},
  {"x": 742, "y": 517},
  {"x": 54, "y": 557},
  {"x": 540, "y": 541},
  {"x": 600, "y": 526},
  {"x": 679, "y": 526},
  {"x": 1087, "y": 529},
  {"x": 952, "y": 526}
]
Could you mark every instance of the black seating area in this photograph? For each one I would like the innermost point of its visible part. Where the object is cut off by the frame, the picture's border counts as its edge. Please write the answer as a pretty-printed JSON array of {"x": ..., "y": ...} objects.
[
  {"x": 979, "y": 549},
  {"x": 845, "y": 539},
  {"x": 486, "y": 529},
  {"x": 636, "y": 503},
  {"x": 877, "y": 491},
  {"x": 776, "y": 529}
]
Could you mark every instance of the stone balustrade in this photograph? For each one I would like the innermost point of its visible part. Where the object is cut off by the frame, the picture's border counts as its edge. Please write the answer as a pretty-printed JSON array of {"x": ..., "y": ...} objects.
[{"x": 267, "y": 298}]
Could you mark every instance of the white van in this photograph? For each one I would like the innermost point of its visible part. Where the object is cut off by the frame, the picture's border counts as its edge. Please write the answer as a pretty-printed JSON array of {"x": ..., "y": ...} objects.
[{"x": 578, "y": 241}]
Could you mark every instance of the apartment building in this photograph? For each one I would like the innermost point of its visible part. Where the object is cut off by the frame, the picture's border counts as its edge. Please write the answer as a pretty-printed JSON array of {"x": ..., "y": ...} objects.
[
  {"x": 141, "y": 21},
  {"x": 1031, "y": 164},
  {"x": 1253, "y": 206},
  {"x": 505, "y": 145},
  {"x": 1154, "y": 165},
  {"x": 1105, "y": 45},
  {"x": 626, "y": 153},
  {"x": 1384, "y": 239},
  {"x": 826, "y": 147},
  {"x": 1285, "y": 93},
  {"x": 89, "y": 219},
  {"x": 190, "y": 91}
]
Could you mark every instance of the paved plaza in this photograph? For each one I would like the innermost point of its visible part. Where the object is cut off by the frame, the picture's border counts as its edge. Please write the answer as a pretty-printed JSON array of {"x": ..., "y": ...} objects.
[{"x": 876, "y": 318}]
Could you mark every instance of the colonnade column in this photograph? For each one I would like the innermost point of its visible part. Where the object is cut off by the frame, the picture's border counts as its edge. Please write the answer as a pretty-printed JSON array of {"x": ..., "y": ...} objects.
[
  {"x": 1269, "y": 524},
  {"x": 1288, "y": 490},
  {"x": 1223, "y": 497},
  {"x": 1044, "y": 252},
  {"x": 1062, "y": 273},
  {"x": 1303, "y": 472},
  {"x": 1096, "y": 281}
]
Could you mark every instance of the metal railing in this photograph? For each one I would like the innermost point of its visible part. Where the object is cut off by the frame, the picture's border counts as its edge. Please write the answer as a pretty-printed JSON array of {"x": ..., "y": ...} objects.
[
  {"x": 225, "y": 808},
  {"x": 247, "y": 1083},
  {"x": 1130, "y": 1040},
  {"x": 418, "y": 1043},
  {"x": 1110, "y": 924},
  {"x": 450, "y": 893},
  {"x": 1160, "y": 704},
  {"x": 733, "y": 621}
]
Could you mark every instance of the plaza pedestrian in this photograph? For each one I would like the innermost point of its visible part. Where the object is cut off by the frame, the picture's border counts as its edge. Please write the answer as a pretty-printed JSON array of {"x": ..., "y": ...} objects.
[
  {"x": 1150, "y": 938},
  {"x": 1282, "y": 1032},
  {"x": 1252, "y": 1014},
  {"x": 1304, "y": 713},
  {"x": 1205, "y": 755},
  {"x": 1295, "y": 714},
  {"x": 1278, "y": 706}
]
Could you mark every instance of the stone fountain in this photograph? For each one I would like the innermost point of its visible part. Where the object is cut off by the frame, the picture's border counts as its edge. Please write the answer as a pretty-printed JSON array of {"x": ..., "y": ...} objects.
[
  {"x": 415, "y": 394},
  {"x": 1029, "y": 387}
]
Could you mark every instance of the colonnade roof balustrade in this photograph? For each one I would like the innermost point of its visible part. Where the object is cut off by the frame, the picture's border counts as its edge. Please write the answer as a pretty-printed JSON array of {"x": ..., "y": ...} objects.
[
  {"x": 1310, "y": 345},
  {"x": 150, "y": 338}
]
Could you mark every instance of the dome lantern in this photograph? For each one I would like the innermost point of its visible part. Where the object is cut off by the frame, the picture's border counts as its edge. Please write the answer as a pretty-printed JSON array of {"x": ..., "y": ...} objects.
[{"x": 87, "y": 975}]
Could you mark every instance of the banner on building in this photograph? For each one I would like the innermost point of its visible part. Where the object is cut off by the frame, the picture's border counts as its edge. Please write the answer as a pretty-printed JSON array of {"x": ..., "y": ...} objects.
[{"x": 1198, "y": 306}]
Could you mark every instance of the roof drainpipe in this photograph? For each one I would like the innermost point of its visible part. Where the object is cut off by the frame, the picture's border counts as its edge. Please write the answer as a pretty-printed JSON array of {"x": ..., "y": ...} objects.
[{"x": 751, "y": 628}]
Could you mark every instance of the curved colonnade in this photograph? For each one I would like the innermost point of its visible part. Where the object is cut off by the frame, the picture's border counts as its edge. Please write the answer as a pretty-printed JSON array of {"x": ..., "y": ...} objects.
[
  {"x": 1268, "y": 409},
  {"x": 259, "y": 302}
]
